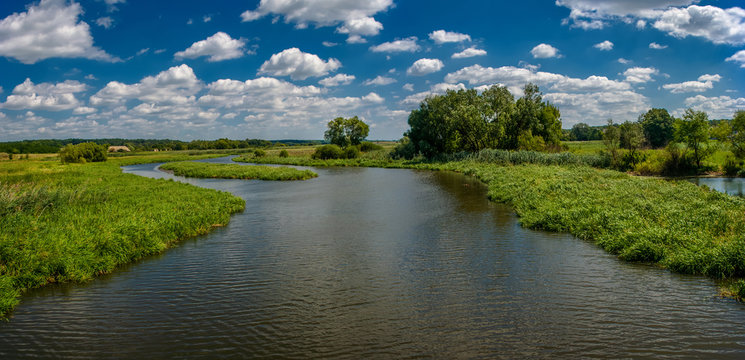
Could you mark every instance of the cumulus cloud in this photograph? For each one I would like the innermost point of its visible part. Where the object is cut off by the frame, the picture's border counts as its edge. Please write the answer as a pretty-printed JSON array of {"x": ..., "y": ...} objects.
[
  {"x": 298, "y": 65},
  {"x": 338, "y": 79},
  {"x": 595, "y": 14},
  {"x": 604, "y": 46},
  {"x": 355, "y": 16},
  {"x": 106, "y": 22},
  {"x": 656, "y": 46},
  {"x": 424, "y": 66},
  {"x": 717, "y": 25},
  {"x": 408, "y": 87},
  {"x": 175, "y": 86},
  {"x": 380, "y": 80},
  {"x": 543, "y": 51},
  {"x": 639, "y": 74},
  {"x": 442, "y": 36},
  {"x": 624, "y": 61},
  {"x": 738, "y": 57},
  {"x": 47, "y": 30},
  {"x": 470, "y": 52},
  {"x": 404, "y": 45},
  {"x": 437, "y": 89},
  {"x": 704, "y": 82},
  {"x": 217, "y": 47},
  {"x": 718, "y": 107},
  {"x": 44, "y": 96}
]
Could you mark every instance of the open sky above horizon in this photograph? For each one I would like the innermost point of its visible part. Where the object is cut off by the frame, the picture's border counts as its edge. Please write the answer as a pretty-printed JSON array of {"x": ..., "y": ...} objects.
[{"x": 281, "y": 69}]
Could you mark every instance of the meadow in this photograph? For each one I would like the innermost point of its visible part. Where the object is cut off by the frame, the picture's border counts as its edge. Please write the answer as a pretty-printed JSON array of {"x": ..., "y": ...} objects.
[
  {"x": 234, "y": 171},
  {"x": 72, "y": 222}
]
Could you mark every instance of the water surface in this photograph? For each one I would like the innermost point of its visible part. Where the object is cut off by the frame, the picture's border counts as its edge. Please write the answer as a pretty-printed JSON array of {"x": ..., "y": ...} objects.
[
  {"x": 728, "y": 185},
  {"x": 376, "y": 263}
]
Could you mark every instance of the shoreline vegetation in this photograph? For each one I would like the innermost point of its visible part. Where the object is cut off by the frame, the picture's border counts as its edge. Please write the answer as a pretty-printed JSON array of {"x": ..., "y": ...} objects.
[
  {"x": 72, "y": 222},
  {"x": 672, "y": 224},
  {"x": 235, "y": 171}
]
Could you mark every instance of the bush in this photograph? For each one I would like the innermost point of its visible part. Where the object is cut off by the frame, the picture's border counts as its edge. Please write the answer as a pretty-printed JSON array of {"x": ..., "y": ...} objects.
[
  {"x": 351, "y": 152},
  {"x": 326, "y": 152},
  {"x": 404, "y": 150},
  {"x": 284, "y": 154},
  {"x": 366, "y": 146},
  {"x": 259, "y": 153},
  {"x": 731, "y": 166},
  {"x": 84, "y": 152}
]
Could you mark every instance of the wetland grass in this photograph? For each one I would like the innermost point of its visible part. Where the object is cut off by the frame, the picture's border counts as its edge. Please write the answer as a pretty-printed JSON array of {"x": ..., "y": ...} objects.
[{"x": 235, "y": 171}]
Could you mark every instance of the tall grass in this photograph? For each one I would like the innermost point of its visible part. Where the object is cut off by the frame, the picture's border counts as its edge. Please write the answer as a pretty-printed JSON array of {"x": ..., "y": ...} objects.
[
  {"x": 72, "y": 222},
  {"x": 234, "y": 171}
]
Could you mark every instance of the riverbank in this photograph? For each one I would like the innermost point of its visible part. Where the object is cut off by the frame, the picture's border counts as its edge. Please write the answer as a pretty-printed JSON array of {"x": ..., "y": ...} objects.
[
  {"x": 73, "y": 222},
  {"x": 673, "y": 224},
  {"x": 235, "y": 171}
]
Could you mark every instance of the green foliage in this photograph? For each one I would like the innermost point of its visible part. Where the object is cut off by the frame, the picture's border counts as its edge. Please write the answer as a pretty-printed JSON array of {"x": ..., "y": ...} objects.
[
  {"x": 344, "y": 132},
  {"x": 259, "y": 153},
  {"x": 466, "y": 121},
  {"x": 737, "y": 137},
  {"x": 284, "y": 153},
  {"x": 583, "y": 132},
  {"x": 612, "y": 141},
  {"x": 732, "y": 166},
  {"x": 84, "y": 152},
  {"x": 693, "y": 130},
  {"x": 71, "y": 223},
  {"x": 234, "y": 171},
  {"x": 658, "y": 126},
  {"x": 366, "y": 146},
  {"x": 405, "y": 149},
  {"x": 351, "y": 152},
  {"x": 329, "y": 151}
]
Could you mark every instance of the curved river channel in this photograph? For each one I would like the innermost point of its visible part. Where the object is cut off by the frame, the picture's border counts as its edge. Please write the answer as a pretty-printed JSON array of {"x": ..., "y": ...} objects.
[{"x": 376, "y": 263}]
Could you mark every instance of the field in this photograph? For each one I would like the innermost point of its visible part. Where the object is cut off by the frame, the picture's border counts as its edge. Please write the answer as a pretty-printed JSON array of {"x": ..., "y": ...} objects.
[
  {"x": 234, "y": 171},
  {"x": 73, "y": 222}
]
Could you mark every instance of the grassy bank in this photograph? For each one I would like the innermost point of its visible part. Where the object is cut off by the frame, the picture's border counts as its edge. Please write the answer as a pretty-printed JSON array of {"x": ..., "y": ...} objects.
[
  {"x": 72, "y": 222},
  {"x": 674, "y": 224},
  {"x": 234, "y": 171}
]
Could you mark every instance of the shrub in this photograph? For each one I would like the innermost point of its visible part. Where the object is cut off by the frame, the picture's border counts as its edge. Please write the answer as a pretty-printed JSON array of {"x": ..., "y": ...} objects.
[
  {"x": 81, "y": 153},
  {"x": 259, "y": 153},
  {"x": 404, "y": 150},
  {"x": 731, "y": 166},
  {"x": 326, "y": 152},
  {"x": 284, "y": 154},
  {"x": 351, "y": 152},
  {"x": 366, "y": 146}
]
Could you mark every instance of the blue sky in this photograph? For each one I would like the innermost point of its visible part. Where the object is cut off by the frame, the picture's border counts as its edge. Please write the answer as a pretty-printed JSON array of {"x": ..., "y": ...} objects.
[{"x": 281, "y": 69}]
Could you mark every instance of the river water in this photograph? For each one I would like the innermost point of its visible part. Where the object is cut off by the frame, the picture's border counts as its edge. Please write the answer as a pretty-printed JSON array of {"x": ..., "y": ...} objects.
[
  {"x": 732, "y": 186},
  {"x": 376, "y": 263}
]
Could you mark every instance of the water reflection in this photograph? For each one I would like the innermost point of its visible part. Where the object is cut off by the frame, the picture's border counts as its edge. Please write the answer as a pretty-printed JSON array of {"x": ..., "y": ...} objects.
[{"x": 732, "y": 186}]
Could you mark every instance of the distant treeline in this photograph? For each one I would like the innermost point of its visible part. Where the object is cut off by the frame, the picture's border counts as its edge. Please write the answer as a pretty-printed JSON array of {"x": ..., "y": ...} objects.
[
  {"x": 584, "y": 132},
  {"x": 53, "y": 146}
]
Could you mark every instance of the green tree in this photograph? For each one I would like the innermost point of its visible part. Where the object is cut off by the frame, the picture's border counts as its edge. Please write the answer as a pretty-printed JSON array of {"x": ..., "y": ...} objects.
[
  {"x": 83, "y": 152},
  {"x": 693, "y": 130},
  {"x": 612, "y": 140},
  {"x": 580, "y": 132},
  {"x": 659, "y": 127},
  {"x": 346, "y": 131},
  {"x": 737, "y": 137}
]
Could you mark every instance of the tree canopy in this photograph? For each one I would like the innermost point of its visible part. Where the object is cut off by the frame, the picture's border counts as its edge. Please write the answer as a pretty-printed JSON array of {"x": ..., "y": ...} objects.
[
  {"x": 346, "y": 131},
  {"x": 465, "y": 120},
  {"x": 659, "y": 127}
]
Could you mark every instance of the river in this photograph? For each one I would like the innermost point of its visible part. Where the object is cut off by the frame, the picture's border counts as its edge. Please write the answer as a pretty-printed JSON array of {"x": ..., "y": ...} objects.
[{"x": 376, "y": 263}]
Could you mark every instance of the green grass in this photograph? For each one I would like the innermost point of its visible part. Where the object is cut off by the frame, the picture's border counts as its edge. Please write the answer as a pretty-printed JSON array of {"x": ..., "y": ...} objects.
[
  {"x": 235, "y": 171},
  {"x": 673, "y": 224},
  {"x": 72, "y": 222}
]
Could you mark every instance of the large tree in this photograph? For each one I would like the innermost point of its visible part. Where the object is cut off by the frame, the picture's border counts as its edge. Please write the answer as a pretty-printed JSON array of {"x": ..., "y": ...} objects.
[
  {"x": 693, "y": 130},
  {"x": 659, "y": 127},
  {"x": 346, "y": 131},
  {"x": 737, "y": 138}
]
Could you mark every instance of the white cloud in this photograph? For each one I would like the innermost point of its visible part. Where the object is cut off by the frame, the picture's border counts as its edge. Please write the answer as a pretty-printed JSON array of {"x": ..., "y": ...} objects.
[
  {"x": 604, "y": 46},
  {"x": 641, "y": 24},
  {"x": 709, "y": 77},
  {"x": 83, "y": 110},
  {"x": 44, "y": 96},
  {"x": 338, "y": 79},
  {"x": 47, "y": 30},
  {"x": 470, "y": 52},
  {"x": 355, "y": 16},
  {"x": 329, "y": 44},
  {"x": 218, "y": 47},
  {"x": 175, "y": 86},
  {"x": 298, "y": 65},
  {"x": 404, "y": 45},
  {"x": 543, "y": 51},
  {"x": 380, "y": 80},
  {"x": 705, "y": 82},
  {"x": 357, "y": 28},
  {"x": 595, "y": 108},
  {"x": 510, "y": 75},
  {"x": 594, "y": 14},
  {"x": 718, "y": 107},
  {"x": 437, "y": 89},
  {"x": 590, "y": 84},
  {"x": 717, "y": 25},
  {"x": 106, "y": 22},
  {"x": 639, "y": 74},
  {"x": 142, "y": 51},
  {"x": 408, "y": 87},
  {"x": 206, "y": 18},
  {"x": 738, "y": 57},
  {"x": 425, "y": 66},
  {"x": 442, "y": 36},
  {"x": 656, "y": 46}
]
